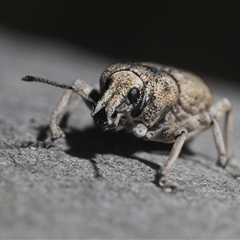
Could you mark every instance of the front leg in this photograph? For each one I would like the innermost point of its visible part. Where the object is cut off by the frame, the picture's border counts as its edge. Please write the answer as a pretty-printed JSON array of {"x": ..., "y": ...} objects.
[
  {"x": 65, "y": 106},
  {"x": 168, "y": 134}
]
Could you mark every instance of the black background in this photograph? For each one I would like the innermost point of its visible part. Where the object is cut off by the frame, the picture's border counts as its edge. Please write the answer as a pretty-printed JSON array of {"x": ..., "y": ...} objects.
[{"x": 197, "y": 35}]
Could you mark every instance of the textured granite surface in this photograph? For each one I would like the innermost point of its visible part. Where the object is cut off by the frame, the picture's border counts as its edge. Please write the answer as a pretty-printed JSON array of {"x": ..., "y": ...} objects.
[{"x": 98, "y": 184}]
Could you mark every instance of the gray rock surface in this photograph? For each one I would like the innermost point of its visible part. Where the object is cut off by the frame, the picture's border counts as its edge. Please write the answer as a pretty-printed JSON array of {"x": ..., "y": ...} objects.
[{"x": 98, "y": 184}]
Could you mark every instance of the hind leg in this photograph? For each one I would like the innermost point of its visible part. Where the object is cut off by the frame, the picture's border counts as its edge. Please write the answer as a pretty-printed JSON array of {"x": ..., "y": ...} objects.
[{"x": 224, "y": 144}]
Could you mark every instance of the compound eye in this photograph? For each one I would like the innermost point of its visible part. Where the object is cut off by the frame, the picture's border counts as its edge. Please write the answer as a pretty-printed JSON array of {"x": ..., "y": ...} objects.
[{"x": 133, "y": 95}]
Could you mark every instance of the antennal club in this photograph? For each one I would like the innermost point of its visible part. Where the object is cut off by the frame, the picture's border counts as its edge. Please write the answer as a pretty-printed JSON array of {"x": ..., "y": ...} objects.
[{"x": 56, "y": 84}]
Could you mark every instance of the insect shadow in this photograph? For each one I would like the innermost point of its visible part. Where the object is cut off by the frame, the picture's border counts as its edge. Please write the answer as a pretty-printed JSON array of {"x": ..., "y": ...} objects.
[{"x": 88, "y": 142}]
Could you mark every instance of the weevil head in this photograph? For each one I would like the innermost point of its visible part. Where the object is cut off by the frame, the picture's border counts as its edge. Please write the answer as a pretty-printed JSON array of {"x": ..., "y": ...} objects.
[{"x": 122, "y": 94}]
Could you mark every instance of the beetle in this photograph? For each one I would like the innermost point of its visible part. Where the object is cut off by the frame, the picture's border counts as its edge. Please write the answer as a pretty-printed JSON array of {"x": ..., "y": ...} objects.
[{"x": 155, "y": 102}]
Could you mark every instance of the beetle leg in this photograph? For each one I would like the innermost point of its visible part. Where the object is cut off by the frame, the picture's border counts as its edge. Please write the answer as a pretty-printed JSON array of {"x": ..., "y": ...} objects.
[
  {"x": 65, "y": 106},
  {"x": 168, "y": 134},
  {"x": 224, "y": 145},
  {"x": 204, "y": 120},
  {"x": 176, "y": 149},
  {"x": 222, "y": 159},
  {"x": 58, "y": 114}
]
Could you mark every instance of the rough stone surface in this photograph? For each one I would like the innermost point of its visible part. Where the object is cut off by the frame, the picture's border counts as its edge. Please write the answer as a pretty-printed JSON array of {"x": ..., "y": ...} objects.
[{"x": 99, "y": 184}]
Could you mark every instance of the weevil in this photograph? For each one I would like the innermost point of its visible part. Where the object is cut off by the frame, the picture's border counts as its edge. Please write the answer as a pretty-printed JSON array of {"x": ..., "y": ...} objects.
[{"x": 155, "y": 102}]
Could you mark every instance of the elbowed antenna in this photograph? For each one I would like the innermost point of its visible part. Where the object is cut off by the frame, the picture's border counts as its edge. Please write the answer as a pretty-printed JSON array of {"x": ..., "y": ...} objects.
[
  {"x": 56, "y": 84},
  {"x": 43, "y": 80}
]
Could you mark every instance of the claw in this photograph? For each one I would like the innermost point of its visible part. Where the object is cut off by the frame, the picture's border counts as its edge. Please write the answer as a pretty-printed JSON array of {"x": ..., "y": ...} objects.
[
  {"x": 161, "y": 181},
  {"x": 37, "y": 144}
]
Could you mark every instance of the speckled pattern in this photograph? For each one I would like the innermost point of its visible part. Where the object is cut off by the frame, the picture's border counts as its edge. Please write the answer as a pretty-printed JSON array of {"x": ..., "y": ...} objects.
[{"x": 98, "y": 184}]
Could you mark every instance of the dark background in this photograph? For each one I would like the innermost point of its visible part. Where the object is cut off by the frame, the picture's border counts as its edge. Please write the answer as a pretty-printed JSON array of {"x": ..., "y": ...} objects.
[{"x": 197, "y": 35}]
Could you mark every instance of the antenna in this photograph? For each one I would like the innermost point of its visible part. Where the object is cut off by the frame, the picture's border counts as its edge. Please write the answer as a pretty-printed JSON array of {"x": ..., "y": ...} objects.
[{"x": 56, "y": 84}]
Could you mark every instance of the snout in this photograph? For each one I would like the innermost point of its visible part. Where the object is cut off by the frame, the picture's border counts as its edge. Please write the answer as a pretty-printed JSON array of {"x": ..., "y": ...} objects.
[{"x": 101, "y": 121}]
